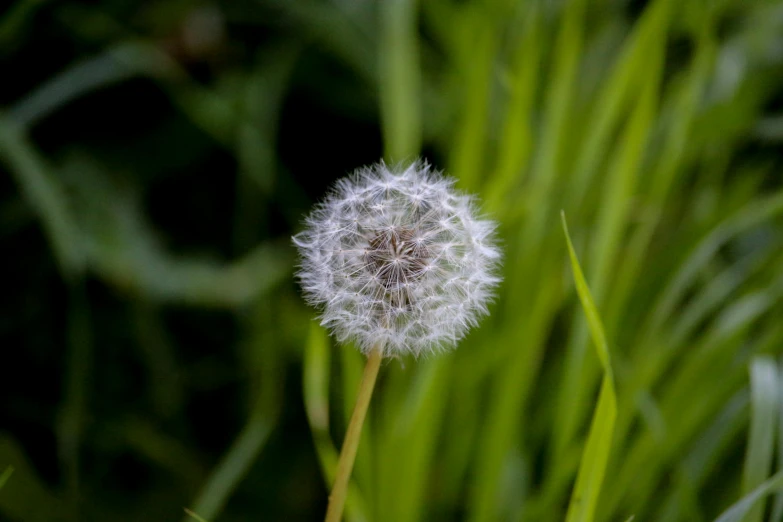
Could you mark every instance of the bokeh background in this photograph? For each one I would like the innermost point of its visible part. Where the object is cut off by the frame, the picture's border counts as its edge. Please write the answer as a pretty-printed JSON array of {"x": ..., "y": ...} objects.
[{"x": 155, "y": 158}]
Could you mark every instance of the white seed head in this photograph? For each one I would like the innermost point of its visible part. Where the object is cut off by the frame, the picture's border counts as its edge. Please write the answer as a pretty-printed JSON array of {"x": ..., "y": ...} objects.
[{"x": 399, "y": 259}]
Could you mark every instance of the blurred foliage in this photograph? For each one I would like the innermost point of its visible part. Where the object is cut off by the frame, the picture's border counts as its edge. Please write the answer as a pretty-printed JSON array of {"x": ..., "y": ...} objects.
[{"x": 156, "y": 157}]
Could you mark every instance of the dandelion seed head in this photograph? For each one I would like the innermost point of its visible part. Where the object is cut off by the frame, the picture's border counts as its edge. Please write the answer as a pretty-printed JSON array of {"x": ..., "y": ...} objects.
[{"x": 398, "y": 257}]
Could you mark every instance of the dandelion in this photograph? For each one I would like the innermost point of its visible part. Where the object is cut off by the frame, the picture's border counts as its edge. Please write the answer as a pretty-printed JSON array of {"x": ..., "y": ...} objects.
[
  {"x": 398, "y": 259},
  {"x": 398, "y": 262}
]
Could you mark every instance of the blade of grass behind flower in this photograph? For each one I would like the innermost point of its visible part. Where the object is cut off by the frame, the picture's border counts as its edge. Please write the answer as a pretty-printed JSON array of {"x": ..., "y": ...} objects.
[
  {"x": 213, "y": 112},
  {"x": 765, "y": 407},
  {"x": 511, "y": 391},
  {"x": 605, "y": 244},
  {"x": 738, "y": 510},
  {"x": 347, "y": 33},
  {"x": 663, "y": 176},
  {"x": 777, "y": 506},
  {"x": 74, "y": 410},
  {"x": 584, "y": 497},
  {"x": 77, "y": 80},
  {"x": 261, "y": 359},
  {"x": 531, "y": 298},
  {"x": 655, "y": 355},
  {"x": 13, "y": 21},
  {"x": 516, "y": 139},
  {"x": 475, "y": 58},
  {"x": 414, "y": 435},
  {"x": 26, "y": 496},
  {"x": 193, "y": 515},
  {"x": 400, "y": 80},
  {"x": 45, "y": 195},
  {"x": 686, "y": 405},
  {"x": 9, "y": 470},
  {"x": 625, "y": 81},
  {"x": 545, "y": 169},
  {"x": 751, "y": 215},
  {"x": 256, "y": 140},
  {"x": 705, "y": 454},
  {"x": 234, "y": 465},
  {"x": 660, "y": 181}
]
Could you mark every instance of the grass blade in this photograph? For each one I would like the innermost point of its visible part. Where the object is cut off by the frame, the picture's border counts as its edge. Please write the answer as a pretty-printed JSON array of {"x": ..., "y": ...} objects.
[
  {"x": 413, "y": 439},
  {"x": 45, "y": 195},
  {"x": 765, "y": 403},
  {"x": 235, "y": 465},
  {"x": 584, "y": 497},
  {"x": 742, "y": 507},
  {"x": 9, "y": 470},
  {"x": 193, "y": 515},
  {"x": 777, "y": 507},
  {"x": 400, "y": 80}
]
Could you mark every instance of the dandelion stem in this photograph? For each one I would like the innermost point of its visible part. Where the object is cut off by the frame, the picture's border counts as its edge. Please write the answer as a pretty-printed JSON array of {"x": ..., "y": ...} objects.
[{"x": 334, "y": 512}]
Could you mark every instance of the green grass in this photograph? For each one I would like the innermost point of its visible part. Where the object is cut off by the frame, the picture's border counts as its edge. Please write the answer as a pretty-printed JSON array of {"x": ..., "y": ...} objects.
[
  {"x": 653, "y": 126},
  {"x": 6, "y": 475},
  {"x": 598, "y": 446}
]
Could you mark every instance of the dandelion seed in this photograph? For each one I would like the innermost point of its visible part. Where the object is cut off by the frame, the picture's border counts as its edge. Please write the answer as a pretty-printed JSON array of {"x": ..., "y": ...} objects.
[{"x": 398, "y": 258}]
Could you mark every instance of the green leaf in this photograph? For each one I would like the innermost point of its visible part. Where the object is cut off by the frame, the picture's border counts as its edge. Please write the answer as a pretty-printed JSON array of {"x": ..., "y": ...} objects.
[{"x": 595, "y": 456}]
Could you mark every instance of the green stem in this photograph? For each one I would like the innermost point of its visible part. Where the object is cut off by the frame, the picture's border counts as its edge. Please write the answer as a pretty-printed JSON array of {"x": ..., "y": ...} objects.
[{"x": 351, "y": 443}]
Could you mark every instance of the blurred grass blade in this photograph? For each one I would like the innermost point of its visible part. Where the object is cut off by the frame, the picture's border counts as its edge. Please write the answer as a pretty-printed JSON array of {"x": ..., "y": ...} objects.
[
  {"x": 530, "y": 281},
  {"x": 765, "y": 407},
  {"x": 45, "y": 195},
  {"x": 595, "y": 456},
  {"x": 412, "y": 437},
  {"x": 738, "y": 511},
  {"x": 332, "y": 26},
  {"x": 475, "y": 57},
  {"x": 586, "y": 298},
  {"x": 212, "y": 111},
  {"x": 193, "y": 515},
  {"x": 235, "y": 465},
  {"x": 123, "y": 248},
  {"x": 640, "y": 56},
  {"x": 777, "y": 507},
  {"x": 261, "y": 358},
  {"x": 15, "y": 20},
  {"x": 77, "y": 386},
  {"x": 717, "y": 439},
  {"x": 315, "y": 382},
  {"x": 605, "y": 248},
  {"x": 545, "y": 169},
  {"x": 749, "y": 216},
  {"x": 9, "y": 470},
  {"x": 699, "y": 465},
  {"x": 516, "y": 141},
  {"x": 27, "y": 497},
  {"x": 77, "y": 80},
  {"x": 400, "y": 80}
]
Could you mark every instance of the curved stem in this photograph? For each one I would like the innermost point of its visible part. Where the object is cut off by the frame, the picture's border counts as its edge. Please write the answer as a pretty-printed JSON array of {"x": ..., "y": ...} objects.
[{"x": 334, "y": 512}]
